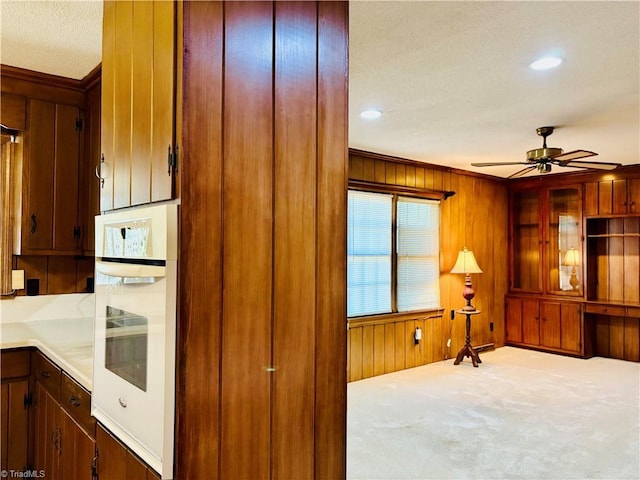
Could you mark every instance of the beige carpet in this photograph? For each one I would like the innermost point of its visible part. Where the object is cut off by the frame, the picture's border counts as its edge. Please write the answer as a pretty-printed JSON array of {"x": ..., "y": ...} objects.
[{"x": 520, "y": 415}]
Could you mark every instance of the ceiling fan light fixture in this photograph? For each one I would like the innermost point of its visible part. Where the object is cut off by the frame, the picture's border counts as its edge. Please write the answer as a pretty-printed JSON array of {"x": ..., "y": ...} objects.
[
  {"x": 546, "y": 63},
  {"x": 540, "y": 153}
]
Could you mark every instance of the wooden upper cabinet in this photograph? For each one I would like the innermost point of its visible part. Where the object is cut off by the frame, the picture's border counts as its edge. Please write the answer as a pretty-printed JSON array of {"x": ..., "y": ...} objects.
[
  {"x": 545, "y": 224},
  {"x": 138, "y": 103},
  {"x": 612, "y": 197},
  {"x": 13, "y": 111},
  {"x": 49, "y": 222}
]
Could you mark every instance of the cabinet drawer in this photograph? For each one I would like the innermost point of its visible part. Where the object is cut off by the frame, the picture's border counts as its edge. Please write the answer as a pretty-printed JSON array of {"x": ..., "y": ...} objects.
[
  {"x": 15, "y": 363},
  {"x": 606, "y": 310},
  {"x": 77, "y": 402},
  {"x": 47, "y": 374}
]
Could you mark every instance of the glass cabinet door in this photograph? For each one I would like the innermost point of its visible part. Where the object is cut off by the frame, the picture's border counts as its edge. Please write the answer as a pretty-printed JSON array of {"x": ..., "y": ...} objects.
[
  {"x": 563, "y": 242},
  {"x": 527, "y": 238}
]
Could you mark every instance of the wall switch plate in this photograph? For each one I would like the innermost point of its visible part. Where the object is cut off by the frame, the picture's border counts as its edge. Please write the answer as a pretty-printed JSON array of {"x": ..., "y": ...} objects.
[{"x": 17, "y": 279}]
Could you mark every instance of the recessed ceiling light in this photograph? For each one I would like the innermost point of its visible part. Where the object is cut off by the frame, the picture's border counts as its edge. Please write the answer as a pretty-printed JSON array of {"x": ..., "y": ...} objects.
[
  {"x": 545, "y": 63},
  {"x": 371, "y": 114}
]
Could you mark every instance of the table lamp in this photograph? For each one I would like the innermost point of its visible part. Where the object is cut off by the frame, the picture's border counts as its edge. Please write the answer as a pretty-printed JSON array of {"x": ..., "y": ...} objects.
[
  {"x": 466, "y": 263},
  {"x": 572, "y": 259}
]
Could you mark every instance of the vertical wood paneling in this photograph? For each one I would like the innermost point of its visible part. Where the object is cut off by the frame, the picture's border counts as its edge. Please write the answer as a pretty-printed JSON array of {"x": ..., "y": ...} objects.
[
  {"x": 4, "y": 421},
  {"x": 248, "y": 234},
  {"x": 369, "y": 170},
  {"x": 294, "y": 231},
  {"x": 355, "y": 353},
  {"x": 616, "y": 337},
  {"x": 330, "y": 345},
  {"x": 400, "y": 345},
  {"x": 378, "y": 349},
  {"x": 367, "y": 351},
  {"x": 380, "y": 171},
  {"x": 616, "y": 269},
  {"x": 142, "y": 113},
  {"x": 410, "y": 350},
  {"x": 356, "y": 167},
  {"x": 389, "y": 348},
  {"x": 602, "y": 336},
  {"x": 122, "y": 99},
  {"x": 631, "y": 339},
  {"x": 631, "y": 288},
  {"x": 198, "y": 428},
  {"x": 620, "y": 196}
]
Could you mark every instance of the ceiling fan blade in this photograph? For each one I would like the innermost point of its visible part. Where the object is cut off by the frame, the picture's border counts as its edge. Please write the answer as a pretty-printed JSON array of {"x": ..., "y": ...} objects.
[
  {"x": 520, "y": 173},
  {"x": 497, "y": 164},
  {"x": 596, "y": 165},
  {"x": 574, "y": 155}
]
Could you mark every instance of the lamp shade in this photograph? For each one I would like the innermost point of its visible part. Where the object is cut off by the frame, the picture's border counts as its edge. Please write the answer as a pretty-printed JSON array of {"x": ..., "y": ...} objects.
[
  {"x": 571, "y": 258},
  {"x": 466, "y": 263}
]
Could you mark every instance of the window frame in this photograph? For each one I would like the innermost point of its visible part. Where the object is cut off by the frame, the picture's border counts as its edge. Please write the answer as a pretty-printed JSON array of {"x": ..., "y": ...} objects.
[{"x": 396, "y": 192}]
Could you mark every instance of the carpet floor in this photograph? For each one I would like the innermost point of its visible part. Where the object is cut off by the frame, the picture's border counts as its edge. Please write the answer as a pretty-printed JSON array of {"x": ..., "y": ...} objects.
[{"x": 521, "y": 414}]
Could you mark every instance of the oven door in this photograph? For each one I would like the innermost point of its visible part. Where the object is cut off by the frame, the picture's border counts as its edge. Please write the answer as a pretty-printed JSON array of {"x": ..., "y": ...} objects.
[{"x": 134, "y": 361}]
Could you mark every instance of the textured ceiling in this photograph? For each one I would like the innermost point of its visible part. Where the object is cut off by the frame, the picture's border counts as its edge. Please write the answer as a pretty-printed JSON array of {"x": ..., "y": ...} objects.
[
  {"x": 55, "y": 37},
  {"x": 452, "y": 78}
]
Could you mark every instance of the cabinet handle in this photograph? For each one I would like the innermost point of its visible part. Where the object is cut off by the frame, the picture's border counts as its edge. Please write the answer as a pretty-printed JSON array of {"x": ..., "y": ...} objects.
[
  {"x": 169, "y": 160},
  {"x": 73, "y": 400},
  {"x": 45, "y": 374},
  {"x": 103, "y": 170},
  {"x": 34, "y": 223}
]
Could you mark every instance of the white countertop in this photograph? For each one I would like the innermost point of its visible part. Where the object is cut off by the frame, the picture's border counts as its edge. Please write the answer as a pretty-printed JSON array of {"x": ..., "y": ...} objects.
[{"x": 67, "y": 342}]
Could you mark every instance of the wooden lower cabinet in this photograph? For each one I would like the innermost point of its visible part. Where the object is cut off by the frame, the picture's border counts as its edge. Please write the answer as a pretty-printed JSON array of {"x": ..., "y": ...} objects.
[
  {"x": 62, "y": 448},
  {"x": 116, "y": 462},
  {"x": 544, "y": 324},
  {"x": 14, "y": 415}
]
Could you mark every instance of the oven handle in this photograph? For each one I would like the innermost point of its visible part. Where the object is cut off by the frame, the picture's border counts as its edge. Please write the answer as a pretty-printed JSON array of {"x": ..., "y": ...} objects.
[{"x": 128, "y": 270}]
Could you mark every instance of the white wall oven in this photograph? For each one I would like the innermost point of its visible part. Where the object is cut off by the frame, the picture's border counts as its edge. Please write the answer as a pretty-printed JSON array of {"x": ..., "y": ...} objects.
[{"x": 135, "y": 330}]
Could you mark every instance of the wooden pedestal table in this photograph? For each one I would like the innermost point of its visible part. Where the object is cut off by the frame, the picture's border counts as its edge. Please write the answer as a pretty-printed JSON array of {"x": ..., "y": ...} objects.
[{"x": 467, "y": 350}]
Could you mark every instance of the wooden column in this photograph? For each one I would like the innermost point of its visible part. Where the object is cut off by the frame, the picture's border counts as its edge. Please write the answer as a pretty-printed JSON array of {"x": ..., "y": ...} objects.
[{"x": 262, "y": 347}]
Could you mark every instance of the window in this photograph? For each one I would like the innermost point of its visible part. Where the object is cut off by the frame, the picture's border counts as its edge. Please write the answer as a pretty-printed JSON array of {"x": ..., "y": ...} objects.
[{"x": 393, "y": 253}]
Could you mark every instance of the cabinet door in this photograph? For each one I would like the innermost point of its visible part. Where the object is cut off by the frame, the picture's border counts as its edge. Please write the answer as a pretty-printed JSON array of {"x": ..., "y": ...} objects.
[
  {"x": 633, "y": 195},
  {"x": 530, "y": 322},
  {"x": 50, "y": 217},
  {"x": 138, "y": 108},
  {"x": 47, "y": 432},
  {"x": 563, "y": 241},
  {"x": 37, "y": 217},
  {"x": 77, "y": 450},
  {"x": 65, "y": 194},
  {"x": 571, "y": 327},
  {"x": 620, "y": 203},
  {"x": 550, "y": 324},
  {"x": 14, "y": 425},
  {"x": 526, "y": 248},
  {"x": 514, "y": 320},
  {"x": 116, "y": 462}
]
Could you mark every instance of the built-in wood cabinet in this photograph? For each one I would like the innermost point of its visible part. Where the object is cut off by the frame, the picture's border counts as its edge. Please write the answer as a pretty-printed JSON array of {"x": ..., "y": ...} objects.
[
  {"x": 545, "y": 225},
  {"x": 597, "y": 214},
  {"x": 14, "y": 416},
  {"x": 549, "y": 324},
  {"x": 138, "y": 103},
  {"x": 64, "y": 439},
  {"x": 117, "y": 462},
  {"x": 49, "y": 215}
]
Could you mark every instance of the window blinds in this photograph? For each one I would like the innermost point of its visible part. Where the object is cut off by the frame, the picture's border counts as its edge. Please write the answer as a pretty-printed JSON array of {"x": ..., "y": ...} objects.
[
  {"x": 418, "y": 251},
  {"x": 368, "y": 253}
]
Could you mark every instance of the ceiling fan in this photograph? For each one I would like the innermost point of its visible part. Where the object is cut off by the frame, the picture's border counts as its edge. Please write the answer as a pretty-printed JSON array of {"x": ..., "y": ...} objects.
[{"x": 542, "y": 159}]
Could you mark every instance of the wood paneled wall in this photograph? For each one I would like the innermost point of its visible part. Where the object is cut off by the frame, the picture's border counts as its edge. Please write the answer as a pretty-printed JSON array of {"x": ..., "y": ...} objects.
[
  {"x": 617, "y": 337},
  {"x": 475, "y": 217},
  {"x": 262, "y": 353}
]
